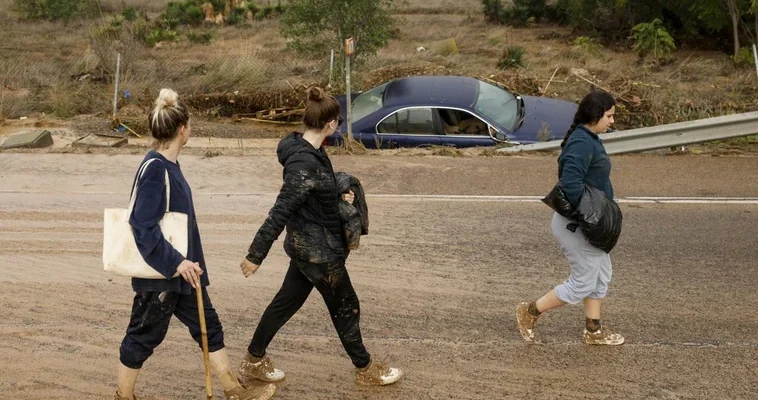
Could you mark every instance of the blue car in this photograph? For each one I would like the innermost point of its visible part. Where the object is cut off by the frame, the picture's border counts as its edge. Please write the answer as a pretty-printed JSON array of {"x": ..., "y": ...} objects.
[{"x": 451, "y": 111}]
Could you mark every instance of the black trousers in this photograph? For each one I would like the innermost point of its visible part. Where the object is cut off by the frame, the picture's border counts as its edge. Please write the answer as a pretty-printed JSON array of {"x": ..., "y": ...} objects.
[
  {"x": 333, "y": 282},
  {"x": 151, "y": 315}
]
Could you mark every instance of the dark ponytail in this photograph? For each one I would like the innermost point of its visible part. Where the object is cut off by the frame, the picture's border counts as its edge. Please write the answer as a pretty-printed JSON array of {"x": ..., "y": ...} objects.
[{"x": 591, "y": 109}]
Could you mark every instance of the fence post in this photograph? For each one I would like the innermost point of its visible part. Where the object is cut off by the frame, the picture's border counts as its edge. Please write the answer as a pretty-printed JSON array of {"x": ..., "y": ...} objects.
[
  {"x": 2, "y": 97},
  {"x": 331, "y": 68},
  {"x": 755, "y": 57},
  {"x": 115, "y": 90}
]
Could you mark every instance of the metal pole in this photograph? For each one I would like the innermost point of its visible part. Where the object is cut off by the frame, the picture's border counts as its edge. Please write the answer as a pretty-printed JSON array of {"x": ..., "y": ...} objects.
[
  {"x": 755, "y": 57},
  {"x": 115, "y": 90},
  {"x": 348, "y": 98},
  {"x": 2, "y": 97},
  {"x": 331, "y": 68}
]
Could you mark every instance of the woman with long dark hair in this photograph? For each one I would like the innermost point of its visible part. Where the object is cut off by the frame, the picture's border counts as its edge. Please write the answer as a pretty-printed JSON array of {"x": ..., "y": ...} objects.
[{"x": 583, "y": 161}]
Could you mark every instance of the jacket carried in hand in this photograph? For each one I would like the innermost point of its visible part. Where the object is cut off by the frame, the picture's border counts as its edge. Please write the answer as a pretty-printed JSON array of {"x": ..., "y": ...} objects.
[
  {"x": 307, "y": 205},
  {"x": 354, "y": 216},
  {"x": 584, "y": 193}
]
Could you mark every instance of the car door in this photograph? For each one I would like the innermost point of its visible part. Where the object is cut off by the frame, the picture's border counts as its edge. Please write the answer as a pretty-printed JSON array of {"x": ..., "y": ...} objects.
[
  {"x": 463, "y": 129},
  {"x": 409, "y": 127}
]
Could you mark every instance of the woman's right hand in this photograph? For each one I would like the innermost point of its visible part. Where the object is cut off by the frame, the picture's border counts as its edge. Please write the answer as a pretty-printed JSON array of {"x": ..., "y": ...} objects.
[{"x": 191, "y": 272}]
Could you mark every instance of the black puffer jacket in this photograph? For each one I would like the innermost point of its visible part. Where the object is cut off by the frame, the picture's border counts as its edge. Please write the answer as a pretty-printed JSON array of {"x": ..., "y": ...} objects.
[
  {"x": 354, "y": 216},
  {"x": 308, "y": 205}
]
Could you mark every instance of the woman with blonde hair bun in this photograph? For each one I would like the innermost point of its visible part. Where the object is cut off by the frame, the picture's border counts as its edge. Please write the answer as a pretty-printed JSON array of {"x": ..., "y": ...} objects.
[{"x": 156, "y": 300}]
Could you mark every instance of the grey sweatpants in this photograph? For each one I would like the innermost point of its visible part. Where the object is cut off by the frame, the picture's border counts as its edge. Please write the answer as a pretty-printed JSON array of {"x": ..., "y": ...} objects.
[{"x": 591, "y": 268}]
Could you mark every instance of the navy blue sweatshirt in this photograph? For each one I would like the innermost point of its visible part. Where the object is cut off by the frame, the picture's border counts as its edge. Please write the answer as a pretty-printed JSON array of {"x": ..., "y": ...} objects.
[
  {"x": 149, "y": 208},
  {"x": 584, "y": 160}
]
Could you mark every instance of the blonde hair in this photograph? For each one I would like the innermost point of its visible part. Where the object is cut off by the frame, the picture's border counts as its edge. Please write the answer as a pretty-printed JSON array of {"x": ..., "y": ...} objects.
[
  {"x": 321, "y": 109},
  {"x": 167, "y": 117}
]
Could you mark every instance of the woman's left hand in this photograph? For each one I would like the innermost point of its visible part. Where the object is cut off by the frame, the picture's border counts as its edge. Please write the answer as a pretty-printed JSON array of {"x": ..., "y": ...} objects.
[
  {"x": 248, "y": 268},
  {"x": 348, "y": 197}
]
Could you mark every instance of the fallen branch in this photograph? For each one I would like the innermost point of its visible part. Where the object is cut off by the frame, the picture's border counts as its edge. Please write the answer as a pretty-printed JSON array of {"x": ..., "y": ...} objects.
[
  {"x": 130, "y": 130},
  {"x": 647, "y": 84},
  {"x": 550, "y": 81},
  {"x": 602, "y": 88},
  {"x": 268, "y": 121}
]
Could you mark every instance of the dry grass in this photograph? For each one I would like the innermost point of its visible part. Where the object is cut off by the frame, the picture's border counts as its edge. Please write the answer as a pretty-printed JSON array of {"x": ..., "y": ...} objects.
[
  {"x": 146, "y": 5},
  {"x": 349, "y": 146},
  {"x": 446, "y": 151},
  {"x": 42, "y": 61}
]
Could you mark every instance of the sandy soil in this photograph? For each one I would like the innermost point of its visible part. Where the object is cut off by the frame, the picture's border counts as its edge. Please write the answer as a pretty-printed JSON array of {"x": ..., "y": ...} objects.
[{"x": 438, "y": 282}]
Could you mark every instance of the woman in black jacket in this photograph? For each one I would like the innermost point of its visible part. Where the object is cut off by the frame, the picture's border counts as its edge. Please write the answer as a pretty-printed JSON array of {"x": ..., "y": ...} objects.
[{"x": 308, "y": 205}]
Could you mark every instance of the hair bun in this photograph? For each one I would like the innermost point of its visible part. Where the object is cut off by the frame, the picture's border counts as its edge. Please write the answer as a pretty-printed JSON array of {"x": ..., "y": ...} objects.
[
  {"x": 315, "y": 93},
  {"x": 166, "y": 98}
]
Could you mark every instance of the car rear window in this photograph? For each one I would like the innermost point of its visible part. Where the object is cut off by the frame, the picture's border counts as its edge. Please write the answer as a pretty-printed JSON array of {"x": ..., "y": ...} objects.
[
  {"x": 497, "y": 105},
  {"x": 368, "y": 102}
]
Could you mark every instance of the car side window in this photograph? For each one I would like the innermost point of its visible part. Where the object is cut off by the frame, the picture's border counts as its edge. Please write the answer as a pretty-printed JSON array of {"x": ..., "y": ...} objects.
[
  {"x": 416, "y": 121},
  {"x": 389, "y": 125},
  {"x": 461, "y": 123}
]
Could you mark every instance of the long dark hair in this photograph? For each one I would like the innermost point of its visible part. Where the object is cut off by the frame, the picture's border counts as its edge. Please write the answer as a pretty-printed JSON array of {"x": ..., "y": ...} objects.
[{"x": 591, "y": 109}]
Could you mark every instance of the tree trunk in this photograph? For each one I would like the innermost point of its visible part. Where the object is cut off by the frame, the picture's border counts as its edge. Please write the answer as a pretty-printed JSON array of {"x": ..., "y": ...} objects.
[{"x": 735, "y": 15}]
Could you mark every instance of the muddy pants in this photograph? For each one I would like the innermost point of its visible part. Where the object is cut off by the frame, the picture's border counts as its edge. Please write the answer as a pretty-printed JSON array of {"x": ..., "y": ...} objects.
[
  {"x": 591, "y": 268},
  {"x": 151, "y": 314},
  {"x": 333, "y": 282}
]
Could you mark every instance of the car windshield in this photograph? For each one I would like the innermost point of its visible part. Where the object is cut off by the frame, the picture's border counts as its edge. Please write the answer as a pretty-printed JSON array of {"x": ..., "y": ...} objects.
[
  {"x": 368, "y": 102},
  {"x": 498, "y": 105}
]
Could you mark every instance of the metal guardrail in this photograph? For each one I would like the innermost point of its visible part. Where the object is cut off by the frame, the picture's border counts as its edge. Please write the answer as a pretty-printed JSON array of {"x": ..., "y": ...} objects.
[{"x": 664, "y": 136}]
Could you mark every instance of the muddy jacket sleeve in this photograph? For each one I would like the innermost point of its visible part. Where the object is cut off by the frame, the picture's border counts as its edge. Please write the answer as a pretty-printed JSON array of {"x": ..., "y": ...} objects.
[
  {"x": 577, "y": 159},
  {"x": 299, "y": 181},
  {"x": 149, "y": 208}
]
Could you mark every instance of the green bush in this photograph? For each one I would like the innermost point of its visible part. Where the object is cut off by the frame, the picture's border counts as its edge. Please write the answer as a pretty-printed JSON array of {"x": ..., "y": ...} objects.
[
  {"x": 744, "y": 58},
  {"x": 194, "y": 15},
  {"x": 53, "y": 10},
  {"x": 129, "y": 14},
  {"x": 513, "y": 57},
  {"x": 183, "y": 13},
  {"x": 493, "y": 10},
  {"x": 237, "y": 16},
  {"x": 158, "y": 35},
  {"x": 200, "y": 38},
  {"x": 652, "y": 38},
  {"x": 521, "y": 12},
  {"x": 589, "y": 46}
]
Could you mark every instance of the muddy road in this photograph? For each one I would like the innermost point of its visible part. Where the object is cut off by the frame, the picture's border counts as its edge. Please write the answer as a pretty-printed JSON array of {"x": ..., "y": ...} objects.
[{"x": 438, "y": 281}]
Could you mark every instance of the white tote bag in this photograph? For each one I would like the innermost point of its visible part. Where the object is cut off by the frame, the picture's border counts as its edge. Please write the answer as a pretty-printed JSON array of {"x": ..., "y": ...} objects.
[{"x": 120, "y": 253}]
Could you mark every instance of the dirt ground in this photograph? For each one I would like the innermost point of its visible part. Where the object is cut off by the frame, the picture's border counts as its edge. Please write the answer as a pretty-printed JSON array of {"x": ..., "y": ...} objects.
[{"x": 438, "y": 282}]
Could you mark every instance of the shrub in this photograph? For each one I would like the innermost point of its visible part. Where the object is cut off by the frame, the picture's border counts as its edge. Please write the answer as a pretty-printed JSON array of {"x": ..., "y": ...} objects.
[
  {"x": 513, "y": 57},
  {"x": 200, "y": 38},
  {"x": 652, "y": 38},
  {"x": 236, "y": 16},
  {"x": 53, "y": 10},
  {"x": 589, "y": 46},
  {"x": 744, "y": 58},
  {"x": 129, "y": 14}
]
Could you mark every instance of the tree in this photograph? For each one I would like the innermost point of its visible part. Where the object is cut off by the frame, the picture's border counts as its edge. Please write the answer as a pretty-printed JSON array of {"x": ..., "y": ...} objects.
[
  {"x": 715, "y": 14},
  {"x": 316, "y": 26},
  {"x": 734, "y": 14}
]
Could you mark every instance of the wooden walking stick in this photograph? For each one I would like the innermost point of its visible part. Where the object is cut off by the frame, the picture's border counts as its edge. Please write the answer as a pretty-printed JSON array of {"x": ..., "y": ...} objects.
[{"x": 204, "y": 334}]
